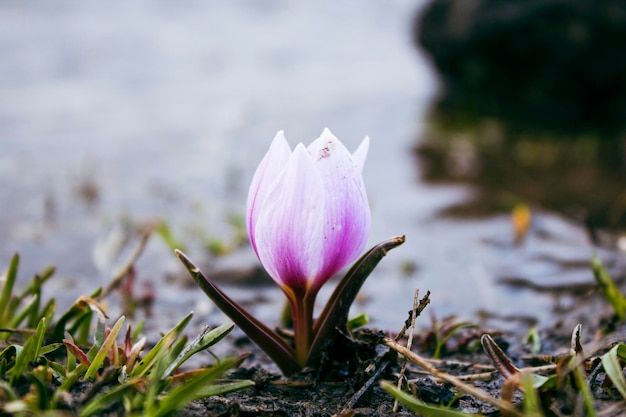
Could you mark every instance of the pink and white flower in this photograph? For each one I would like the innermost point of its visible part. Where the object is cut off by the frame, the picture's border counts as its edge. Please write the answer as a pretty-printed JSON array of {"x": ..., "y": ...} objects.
[{"x": 307, "y": 212}]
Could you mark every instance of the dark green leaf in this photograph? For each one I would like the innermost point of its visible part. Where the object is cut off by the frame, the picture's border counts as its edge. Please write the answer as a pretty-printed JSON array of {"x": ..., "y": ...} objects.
[
  {"x": 271, "y": 343},
  {"x": 335, "y": 313}
]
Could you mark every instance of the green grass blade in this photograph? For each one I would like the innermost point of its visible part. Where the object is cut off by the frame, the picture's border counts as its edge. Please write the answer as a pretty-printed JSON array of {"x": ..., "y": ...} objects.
[
  {"x": 49, "y": 348},
  {"x": 164, "y": 343},
  {"x": 532, "y": 405},
  {"x": 78, "y": 312},
  {"x": 39, "y": 336},
  {"x": 611, "y": 364},
  {"x": 71, "y": 378},
  {"x": 533, "y": 338},
  {"x": 104, "y": 349},
  {"x": 21, "y": 360},
  {"x": 165, "y": 233},
  {"x": 418, "y": 406},
  {"x": 41, "y": 389},
  {"x": 102, "y": 402},
  {"x": 204, "y": 340},
  {"x": 441, "y": 342},
  {"x": 223, "y": 388},
  {"x": 182, "y": 394},
  {"x": 608, "y": 287},
  {"x": 10, "y": 352},
  {"x": 581, "y": 382},
  {"x": 48, "y": 310},
  {"x": 19, "y": 316},
  {"x": 358, "y": 321},
  {"x": 7, "y": 390},
  {"x": 58, "y": 372},
  {"x": 7, "y": 290},
  {"x": 137, "y": 329},
  {"x": 37, "y": 281}
]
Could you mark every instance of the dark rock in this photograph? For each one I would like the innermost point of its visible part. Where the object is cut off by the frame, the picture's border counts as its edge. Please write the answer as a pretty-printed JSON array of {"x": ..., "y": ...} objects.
[{"x": 557, "y": 65}]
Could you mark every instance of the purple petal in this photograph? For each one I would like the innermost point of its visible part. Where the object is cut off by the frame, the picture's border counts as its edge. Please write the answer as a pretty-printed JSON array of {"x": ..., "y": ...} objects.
[
  {"x": 264, "y": 178},
  {"x": 289, "y": 229},
  {"x": 346, "y": 210}
]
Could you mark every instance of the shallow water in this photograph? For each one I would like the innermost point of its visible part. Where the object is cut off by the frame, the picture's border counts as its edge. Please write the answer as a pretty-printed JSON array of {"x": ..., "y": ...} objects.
[{"x": 126, "y": 113}]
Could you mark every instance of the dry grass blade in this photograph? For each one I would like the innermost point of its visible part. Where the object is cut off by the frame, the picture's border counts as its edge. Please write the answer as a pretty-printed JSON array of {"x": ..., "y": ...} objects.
[
  {"x": 409, "y": 341},
  {"x": 468, "y": 389},
  {"x": 125, "y": 269}
]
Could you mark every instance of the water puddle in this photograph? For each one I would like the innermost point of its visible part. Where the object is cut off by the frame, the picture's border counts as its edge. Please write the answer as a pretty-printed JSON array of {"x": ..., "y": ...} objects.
[{"x": 169, "y": 119}]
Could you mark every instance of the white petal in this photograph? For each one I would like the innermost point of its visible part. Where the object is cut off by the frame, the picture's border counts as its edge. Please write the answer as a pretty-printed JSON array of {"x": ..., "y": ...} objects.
[
  {"x": 346, "y": 210},
  {"x": 318, "y": 148},
  {"x": 359, "y": 156},
  {"x": 265, "y": 175},
  {"x": 289, "y": 230}
]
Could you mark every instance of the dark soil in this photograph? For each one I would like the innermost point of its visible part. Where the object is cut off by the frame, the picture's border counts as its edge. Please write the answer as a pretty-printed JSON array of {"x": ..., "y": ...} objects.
[{"x": 349, "y": 384}]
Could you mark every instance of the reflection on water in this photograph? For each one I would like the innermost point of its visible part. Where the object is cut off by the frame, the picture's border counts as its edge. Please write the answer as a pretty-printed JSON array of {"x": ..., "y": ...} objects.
[
  {"x": 582, "y": 177},
  {"x": 530, "y": 111},
  {"x": 114, "y": 116}
]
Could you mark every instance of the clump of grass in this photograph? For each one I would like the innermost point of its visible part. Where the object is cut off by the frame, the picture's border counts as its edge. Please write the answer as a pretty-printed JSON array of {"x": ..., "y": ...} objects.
[
  {"x": 572, "y": 381},
  {"x": 583, "y": 384},
  {"x": 447, "y": 330},
  {"x": 590, "y": 385},
  {"x": 47, "y": 366}
]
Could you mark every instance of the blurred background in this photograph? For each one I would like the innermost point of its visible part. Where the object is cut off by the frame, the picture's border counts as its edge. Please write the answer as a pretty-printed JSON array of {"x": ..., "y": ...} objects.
[{"x": 496, "y": 128}]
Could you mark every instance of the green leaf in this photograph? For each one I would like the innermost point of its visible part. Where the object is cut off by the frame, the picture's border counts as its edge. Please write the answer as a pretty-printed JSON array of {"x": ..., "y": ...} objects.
[
  {"x": 49, "y": 348},
  {"x": 58, "y": 371},
  {"x": 10, "y": 352},
  {"x": 7, "y": 389},
  {"x": 182, "y": 394},
  {"x": 613, "y": 368},
  {"x": 36, "y": 283},
  {"x": 164, "y": 231},
  {"x": 102, "y": 402},
  {"x": 70, "y": 379},
  {"x": 608, "y": 287},
  {"x": 420, "y": 407},
  {"x": 22, "y": 360},
  {"x": 48, "y": 310},
  {"x": 532, "y": 405},
  {"x": 267, "y": 339},
  {"x": 104, "y": 350},
  {"x": 441, "y": 342},
  {"x": 335, "y": 313},
  {"x": 19, "y": 316},
  {"x": 534, "y": 339},
  {"x": 358, "y": 321},
  {"x": 204, "y": 340},
  {"x": 222, "y": 388},
  {"x": 137, "y": 330},
  {"x": 39, "y": 335},
  {"x": 80, "y": 313},
  {"x": 581, "y": 382},
  {"x": 7, "y": 290},
  {"x": 163, "y": 344},
  {"x": 42, "y": 391}
]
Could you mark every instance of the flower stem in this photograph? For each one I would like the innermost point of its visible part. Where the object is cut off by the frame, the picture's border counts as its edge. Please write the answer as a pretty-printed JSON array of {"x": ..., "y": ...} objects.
[{"x": 302, "y": 315}]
